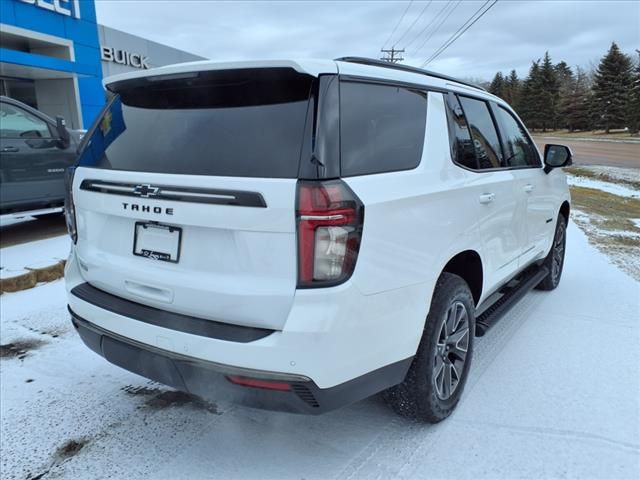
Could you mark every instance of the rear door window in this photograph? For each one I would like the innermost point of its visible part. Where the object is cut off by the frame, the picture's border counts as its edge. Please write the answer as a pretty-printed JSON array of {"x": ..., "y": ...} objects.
[
  {"x": 237, "y": 123},
  {"x": 382, "y": 128},
  {"x": 483, "y": 132}
]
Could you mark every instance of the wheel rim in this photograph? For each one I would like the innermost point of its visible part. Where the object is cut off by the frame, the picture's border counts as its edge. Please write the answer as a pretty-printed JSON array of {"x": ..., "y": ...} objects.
[
  {"x": 558, "y": 253},
  {"x": 451, "y": 351}
]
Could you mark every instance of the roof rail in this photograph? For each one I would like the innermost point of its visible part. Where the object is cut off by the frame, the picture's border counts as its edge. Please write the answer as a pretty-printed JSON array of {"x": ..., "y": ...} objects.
[{"x": 407, "y": 68}]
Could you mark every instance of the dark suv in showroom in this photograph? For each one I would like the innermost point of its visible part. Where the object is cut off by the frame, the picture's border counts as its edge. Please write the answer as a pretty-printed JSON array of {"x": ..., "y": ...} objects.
[{"x": 35, "y": 150}]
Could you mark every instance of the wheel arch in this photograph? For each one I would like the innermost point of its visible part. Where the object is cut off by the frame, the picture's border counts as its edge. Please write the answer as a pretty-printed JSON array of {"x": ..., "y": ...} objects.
[
  {"x": 468, "y": 265},
  {"x": 565, "y": 209}
]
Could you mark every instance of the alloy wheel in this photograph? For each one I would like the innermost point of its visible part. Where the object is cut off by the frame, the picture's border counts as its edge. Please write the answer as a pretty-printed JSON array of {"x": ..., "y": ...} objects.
[
  {"x": 451, "y": 351},
  {"x": 558, "y": 253}
]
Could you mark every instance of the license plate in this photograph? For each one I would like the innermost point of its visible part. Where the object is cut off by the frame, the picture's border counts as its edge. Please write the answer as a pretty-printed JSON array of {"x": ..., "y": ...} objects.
[{"x": 157, "y": 242}]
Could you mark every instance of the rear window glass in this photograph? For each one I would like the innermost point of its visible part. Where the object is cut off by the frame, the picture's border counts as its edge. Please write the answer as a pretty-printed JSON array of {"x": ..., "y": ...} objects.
[
  {"x": 381, "y": 128},
  {"x": 242, "y": 123}
]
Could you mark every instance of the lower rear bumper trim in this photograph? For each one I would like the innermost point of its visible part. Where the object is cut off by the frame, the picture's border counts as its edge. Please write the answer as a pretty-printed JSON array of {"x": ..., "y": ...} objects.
[{"x": 208, "y": 379}]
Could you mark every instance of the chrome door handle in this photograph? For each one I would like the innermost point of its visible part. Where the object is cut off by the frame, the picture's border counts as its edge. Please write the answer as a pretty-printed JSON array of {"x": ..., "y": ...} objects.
[
  {"x": 528, "y": 188},
  {"x": 487, "y": 197},
  {"x": 10, "y": 149}
]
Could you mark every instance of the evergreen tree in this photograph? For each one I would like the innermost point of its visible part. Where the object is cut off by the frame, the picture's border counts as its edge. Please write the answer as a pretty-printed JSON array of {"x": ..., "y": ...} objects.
[
  {"x": 575, "y": 102},
  {"x": 633, "y": 112},
  {"x": 512, "y": 88},
  {"x": 566, "y": 84},
  {"x": 497, "y": 86},
  {"x": 548, "y": 91},
  {"x": 530, "y": 102},
  {"x": 612, "y": 87}
]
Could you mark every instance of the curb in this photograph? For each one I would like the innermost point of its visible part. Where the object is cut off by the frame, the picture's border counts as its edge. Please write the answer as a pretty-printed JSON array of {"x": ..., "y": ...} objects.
[
  {"x": 32, "y": 277},
  {"x": 581, "y": 139}
]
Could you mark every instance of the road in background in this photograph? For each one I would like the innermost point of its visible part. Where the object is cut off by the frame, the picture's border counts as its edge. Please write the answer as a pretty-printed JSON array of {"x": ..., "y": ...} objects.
[
  {"x": 607, "y": 153},
  {"x": 29, "y": 229}
]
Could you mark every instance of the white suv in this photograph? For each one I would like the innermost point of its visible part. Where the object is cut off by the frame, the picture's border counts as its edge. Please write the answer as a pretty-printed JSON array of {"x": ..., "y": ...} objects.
[{"x": 300, "y": 235}]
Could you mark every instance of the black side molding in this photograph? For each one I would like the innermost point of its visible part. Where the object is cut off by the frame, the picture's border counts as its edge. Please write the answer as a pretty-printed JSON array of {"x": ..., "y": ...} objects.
[
  {"x": 237, "y": 198},
  {"x": 173, "y": 321}
]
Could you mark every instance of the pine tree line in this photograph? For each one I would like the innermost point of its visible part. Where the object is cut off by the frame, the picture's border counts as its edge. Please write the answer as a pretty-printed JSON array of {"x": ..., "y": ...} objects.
[{"x": 555, "y": 96}]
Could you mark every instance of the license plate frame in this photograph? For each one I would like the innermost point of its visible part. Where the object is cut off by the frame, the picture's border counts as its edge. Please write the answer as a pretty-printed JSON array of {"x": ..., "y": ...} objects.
[{"x": 168, "y": 237}]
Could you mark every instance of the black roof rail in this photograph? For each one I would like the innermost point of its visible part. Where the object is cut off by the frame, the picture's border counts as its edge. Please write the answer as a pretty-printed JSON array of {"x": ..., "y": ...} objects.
[{"x": 406, "y": 68}]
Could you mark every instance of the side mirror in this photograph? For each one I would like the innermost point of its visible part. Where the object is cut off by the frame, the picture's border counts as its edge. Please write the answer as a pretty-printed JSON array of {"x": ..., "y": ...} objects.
[
  {"x": 64, "y": 139},
  {"x": 556, "y": 156}
]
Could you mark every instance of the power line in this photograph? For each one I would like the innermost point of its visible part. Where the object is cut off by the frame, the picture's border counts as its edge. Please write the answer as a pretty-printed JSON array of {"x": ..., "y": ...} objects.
[
  {"x": 457, "y": 35},
  {"x": 437, "y": 27},
  {"x": 397, "y": 24},
  {"x": 467, "y": 21},
  {"x": 391, "y": 55},
  {"x": 412, "y": 24},
  {"x": 419, "y": 34}
]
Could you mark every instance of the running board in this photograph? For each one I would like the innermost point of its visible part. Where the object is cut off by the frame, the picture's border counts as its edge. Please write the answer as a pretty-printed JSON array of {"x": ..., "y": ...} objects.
[{"x": 511, "y": 295}]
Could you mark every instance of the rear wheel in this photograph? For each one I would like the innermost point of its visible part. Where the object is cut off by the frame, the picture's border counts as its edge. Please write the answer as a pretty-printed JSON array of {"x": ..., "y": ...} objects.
[
  {"x": 437, "y": 376},
  {"x": 555, "y": 260}
]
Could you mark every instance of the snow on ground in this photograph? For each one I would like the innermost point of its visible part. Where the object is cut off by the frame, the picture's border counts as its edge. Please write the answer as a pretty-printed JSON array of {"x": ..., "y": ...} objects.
[
  {"x": 40, "y": 253},
  {"x": 553, "y": 393},
  {"x": 609, "y": 187},
  {"x": 7, "y": 220},
  {"x": 616, "y": 173}
]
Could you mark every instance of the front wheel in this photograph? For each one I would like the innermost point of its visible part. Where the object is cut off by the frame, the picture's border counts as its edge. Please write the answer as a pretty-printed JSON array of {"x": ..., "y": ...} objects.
[
  {"x": 437, "y": 376},
  {"x": 555, "y": 260}
]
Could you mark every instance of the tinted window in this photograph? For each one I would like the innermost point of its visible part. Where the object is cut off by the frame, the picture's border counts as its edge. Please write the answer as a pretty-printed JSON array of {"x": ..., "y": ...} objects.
[
  {"x": 243, "y": 123},
  {"x": 518, "y": 148},
  {"x": 483, "y": 132},
  {"x": 18, "y": 123},
  {"x": 462, "y": 149},
  {"x": 381, "y": 128}
]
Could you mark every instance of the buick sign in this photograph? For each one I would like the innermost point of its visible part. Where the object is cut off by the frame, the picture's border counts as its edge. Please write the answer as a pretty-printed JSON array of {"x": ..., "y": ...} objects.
[{"x": 122, "y": 57}]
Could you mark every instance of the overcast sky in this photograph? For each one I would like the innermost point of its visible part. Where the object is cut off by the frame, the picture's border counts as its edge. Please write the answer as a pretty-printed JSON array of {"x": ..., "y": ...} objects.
[{"x": 508, "y": 36}]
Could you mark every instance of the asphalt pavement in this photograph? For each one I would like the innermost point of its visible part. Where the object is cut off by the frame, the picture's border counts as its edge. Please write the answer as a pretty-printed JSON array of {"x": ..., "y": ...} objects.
[{"x": 607, "y": 153}]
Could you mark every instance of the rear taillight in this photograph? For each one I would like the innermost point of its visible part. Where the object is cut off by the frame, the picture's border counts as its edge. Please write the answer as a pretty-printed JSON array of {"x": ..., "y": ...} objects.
[
  {"x": 69, "y": 207},
  {"x": 330, "y": 218}
]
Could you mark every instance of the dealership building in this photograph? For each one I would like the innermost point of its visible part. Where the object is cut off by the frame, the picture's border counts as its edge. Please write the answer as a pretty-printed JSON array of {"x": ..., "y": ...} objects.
[{"x": 54, "y": 54}]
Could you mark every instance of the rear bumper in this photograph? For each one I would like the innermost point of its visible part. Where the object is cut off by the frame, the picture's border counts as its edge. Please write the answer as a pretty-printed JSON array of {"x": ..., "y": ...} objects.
[{"x": 210, "y": 380}]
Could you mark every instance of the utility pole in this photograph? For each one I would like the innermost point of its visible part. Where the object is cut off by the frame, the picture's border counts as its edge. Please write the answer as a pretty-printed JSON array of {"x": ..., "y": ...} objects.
[{"x": 392, "y": 55}]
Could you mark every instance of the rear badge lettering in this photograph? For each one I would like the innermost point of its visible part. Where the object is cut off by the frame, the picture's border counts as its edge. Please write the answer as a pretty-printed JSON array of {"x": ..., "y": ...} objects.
[{"x": 135, "y": 207}]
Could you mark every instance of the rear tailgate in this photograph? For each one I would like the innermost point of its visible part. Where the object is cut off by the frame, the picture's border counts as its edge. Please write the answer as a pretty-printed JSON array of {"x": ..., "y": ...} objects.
[
  {"x": 236, "y": 263},
  {"x": 185, "y": 193}
]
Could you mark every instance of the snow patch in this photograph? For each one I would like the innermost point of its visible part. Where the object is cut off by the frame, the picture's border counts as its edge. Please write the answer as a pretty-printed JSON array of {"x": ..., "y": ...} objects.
[
  {"x": 613, "y": 188},
  {"x": 41, "y": 252}
]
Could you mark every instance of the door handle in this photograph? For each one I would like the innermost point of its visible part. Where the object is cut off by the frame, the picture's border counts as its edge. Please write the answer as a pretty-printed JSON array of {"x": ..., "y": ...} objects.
[
  {"x": 528, "y": 188},
  {"x": 10, "y": 149},
  {"x": 487, "y": 197}
]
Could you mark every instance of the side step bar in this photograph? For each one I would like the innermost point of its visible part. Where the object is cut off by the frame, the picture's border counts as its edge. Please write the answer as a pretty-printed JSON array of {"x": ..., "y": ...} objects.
[{"x": 510, "y": 296}]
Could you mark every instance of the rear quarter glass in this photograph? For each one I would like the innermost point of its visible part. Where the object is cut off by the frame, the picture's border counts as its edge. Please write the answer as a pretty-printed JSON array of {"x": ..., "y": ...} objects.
[
  {"x": 237, "y": 123},
  {"x": 382, "y": 128}
]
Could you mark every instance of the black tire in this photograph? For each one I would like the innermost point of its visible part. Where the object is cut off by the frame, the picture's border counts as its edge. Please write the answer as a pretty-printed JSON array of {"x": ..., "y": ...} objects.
[
  {"x": 555, "y": 259},
  {"x": 418, "y": 397}
]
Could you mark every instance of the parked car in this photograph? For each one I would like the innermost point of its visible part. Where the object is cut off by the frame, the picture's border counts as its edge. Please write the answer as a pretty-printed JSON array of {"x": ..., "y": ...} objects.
[
  {"x": 301, "y": 235},
  {"x": 35, "y": 151}
]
